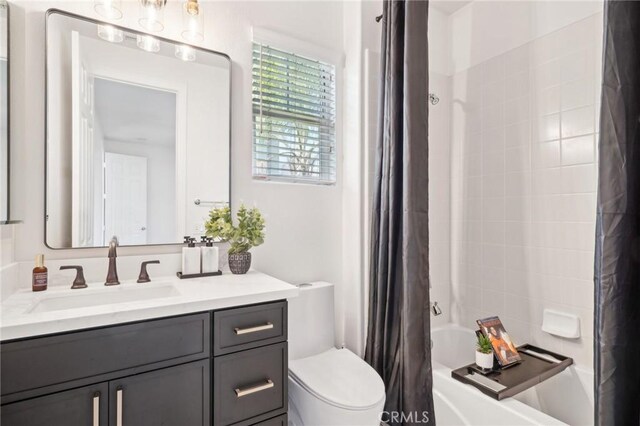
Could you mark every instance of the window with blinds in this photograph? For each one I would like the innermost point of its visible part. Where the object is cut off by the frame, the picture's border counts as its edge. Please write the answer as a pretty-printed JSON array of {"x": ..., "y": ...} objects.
[{"x": 294, "y": 117}]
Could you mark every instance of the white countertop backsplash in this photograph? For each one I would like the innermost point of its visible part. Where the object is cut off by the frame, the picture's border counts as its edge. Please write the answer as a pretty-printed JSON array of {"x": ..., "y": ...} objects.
[{"x": 193, "y": 295}]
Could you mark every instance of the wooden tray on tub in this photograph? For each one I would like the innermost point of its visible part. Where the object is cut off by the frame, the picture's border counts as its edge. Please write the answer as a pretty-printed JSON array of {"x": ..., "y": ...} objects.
[{"x": 537, "y": 365}]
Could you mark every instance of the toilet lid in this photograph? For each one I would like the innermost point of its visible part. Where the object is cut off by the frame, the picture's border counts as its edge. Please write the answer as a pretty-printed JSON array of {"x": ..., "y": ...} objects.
[{"x": 340, "y": 378}]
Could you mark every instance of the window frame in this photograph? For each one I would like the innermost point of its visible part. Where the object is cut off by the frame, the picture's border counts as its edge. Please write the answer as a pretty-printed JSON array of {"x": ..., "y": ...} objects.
[{"x": 311, "y": 52}]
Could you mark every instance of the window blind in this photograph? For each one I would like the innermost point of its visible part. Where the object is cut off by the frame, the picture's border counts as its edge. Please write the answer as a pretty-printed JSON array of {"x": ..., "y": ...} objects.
[{"x": 294, "y": 117}]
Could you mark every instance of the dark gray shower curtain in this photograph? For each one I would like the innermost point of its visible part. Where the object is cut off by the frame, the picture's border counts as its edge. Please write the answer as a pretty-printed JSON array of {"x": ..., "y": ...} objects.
[
  {"x": 398, "y": 340},
  {"x": 617, "y": 267}
]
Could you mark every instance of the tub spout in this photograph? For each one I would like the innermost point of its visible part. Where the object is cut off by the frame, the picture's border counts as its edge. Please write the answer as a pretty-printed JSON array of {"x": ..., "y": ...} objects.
[{"x": 435, "y": 309}]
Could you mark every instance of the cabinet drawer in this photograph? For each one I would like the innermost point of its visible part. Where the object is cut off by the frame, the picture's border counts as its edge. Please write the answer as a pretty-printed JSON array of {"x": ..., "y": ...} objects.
[
  {"x": 249, "y": 384},
  {"x": 102, "y": 353},
  {"x": 249, "y": 327},
  {"x": 276, "y": 421}
]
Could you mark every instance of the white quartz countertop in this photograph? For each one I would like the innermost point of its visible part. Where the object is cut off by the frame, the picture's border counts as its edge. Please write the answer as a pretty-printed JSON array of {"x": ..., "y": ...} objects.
[{"x": 58, "y": 309}]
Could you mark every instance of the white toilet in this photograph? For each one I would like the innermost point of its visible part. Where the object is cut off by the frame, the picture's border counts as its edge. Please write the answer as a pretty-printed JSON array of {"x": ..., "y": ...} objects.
[{"x": 327, "y": 386}]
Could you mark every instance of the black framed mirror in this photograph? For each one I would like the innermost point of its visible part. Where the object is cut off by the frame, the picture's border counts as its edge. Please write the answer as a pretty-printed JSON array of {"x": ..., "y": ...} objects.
[
  {"x": 137, "y": 135},
  {"x": 4, "y": 112}
]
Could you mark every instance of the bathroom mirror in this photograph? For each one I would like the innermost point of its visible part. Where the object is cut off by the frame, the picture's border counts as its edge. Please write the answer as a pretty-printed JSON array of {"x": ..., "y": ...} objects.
[
  {"x": 138, "y": 135},
  {"x": 4, "y": 112}
]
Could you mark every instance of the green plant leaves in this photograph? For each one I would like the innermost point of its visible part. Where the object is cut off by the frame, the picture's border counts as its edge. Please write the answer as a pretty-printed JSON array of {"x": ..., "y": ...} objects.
[
  {"x": 484, "y": 344},
  {"x": 248, "y": 233}
]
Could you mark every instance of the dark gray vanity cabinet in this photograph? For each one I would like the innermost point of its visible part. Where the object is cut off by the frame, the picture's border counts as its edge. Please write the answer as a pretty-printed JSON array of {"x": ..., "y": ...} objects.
[
  {"x": 168, "y": 371},
  {"x": 172, "y": 396}
]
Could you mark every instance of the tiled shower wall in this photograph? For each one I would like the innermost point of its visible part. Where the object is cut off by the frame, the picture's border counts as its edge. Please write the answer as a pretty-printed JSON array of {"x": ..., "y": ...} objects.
[
  {"x": 524, "y": 175},
  {"x": 439, "y": 196}
]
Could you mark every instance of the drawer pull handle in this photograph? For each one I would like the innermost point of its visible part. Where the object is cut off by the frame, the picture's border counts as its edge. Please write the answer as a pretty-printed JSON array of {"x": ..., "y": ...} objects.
[
  {"x": 253, "y": 389},
  {"x": 96, "y": 409},
  {"x": 267, "y": 326},
  {"x": 119, "y": 406}
]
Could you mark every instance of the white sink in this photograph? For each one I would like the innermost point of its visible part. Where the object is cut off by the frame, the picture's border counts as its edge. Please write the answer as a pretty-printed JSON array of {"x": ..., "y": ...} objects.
[{"x": 118, "y": 294}]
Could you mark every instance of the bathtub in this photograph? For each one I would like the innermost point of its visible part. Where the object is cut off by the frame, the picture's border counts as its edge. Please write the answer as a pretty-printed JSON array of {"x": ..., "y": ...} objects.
[{"x": 561, "y": 400}]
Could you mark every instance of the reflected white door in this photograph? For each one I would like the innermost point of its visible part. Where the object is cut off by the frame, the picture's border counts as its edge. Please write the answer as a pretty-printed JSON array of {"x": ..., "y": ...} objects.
[
  {"x": 125, "y": 198},
  {"x": 82, "y": 148}
]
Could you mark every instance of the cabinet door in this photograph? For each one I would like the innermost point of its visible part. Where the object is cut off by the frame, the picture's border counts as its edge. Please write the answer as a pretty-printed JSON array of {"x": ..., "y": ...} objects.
[
  {"x": 171, "y": 396},
  {"x": 83, "y": 406}
]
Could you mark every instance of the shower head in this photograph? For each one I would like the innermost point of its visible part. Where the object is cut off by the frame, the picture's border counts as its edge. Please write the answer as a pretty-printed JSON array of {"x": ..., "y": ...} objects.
[{"x": 434, "y": 99}]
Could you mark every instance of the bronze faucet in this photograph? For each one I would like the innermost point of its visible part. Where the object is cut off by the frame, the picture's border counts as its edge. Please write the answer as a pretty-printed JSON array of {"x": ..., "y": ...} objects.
[{"x": 112, "y": 275}]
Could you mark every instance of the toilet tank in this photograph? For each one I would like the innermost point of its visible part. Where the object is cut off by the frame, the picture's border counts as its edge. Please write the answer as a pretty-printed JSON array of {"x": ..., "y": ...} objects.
[{"x": 311, "y": 320}]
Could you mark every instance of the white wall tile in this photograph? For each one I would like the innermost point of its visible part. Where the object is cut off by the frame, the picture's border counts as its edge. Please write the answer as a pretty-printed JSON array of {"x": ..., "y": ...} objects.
[
  {"x": 578, "y": 122},
  {"x": 580, "y": 150},
  {"x": 493, "y": 185},
  {"x": 517, "y": 159},
  {"x": 493, "y": 208},
  {"x": 547, "y": 74},
  {"x": 493, "y": 93},
  {"x": 548, "y": 127},
  {"x": 517, "y": 85},
  {"x": 578, "y": 93},
  {"x": 517, "y": 184},
  {"x": 528, "y": 197},
  {"x": 493, "y": 139},
  {"x": 548, "y": 100},
  {"x": 518, "y": 134},
  {"x": 493, "y": 161},
  {"x": 516, "y": 110},
  {"x": 545, "y": 154}
]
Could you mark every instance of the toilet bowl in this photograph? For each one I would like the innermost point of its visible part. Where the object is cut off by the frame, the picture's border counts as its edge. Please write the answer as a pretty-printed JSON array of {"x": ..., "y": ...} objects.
[{"x": 327, "y": 386}]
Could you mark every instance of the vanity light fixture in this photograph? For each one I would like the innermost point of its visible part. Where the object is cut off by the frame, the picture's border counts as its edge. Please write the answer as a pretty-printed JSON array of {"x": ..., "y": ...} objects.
[
  {"x": 186, "y": 53},
  {"x": 110, "y": 9},
  {"x": 192, "y": 21},
  {"x": 152, "y": 15},
  {"x": 111, "y": 34},
  {"x": 148, "y": 43}
]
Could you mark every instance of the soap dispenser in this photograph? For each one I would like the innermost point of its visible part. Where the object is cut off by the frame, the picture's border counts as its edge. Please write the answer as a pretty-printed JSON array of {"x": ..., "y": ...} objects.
[
  {"x": 190, "y": 257},
  {"x": 209, "y": 256}
]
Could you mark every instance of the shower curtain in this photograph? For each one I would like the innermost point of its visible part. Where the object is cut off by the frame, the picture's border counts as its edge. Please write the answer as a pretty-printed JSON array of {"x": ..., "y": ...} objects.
[
  {"x": 398, "y": 339},
  {"x": 617, "y": 266}
]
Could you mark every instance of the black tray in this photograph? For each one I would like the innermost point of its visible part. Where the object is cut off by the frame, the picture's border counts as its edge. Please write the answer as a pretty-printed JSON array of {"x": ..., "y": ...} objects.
[
  {"x": 208, "y": 274},
  {"x": 506, "y": 382}
]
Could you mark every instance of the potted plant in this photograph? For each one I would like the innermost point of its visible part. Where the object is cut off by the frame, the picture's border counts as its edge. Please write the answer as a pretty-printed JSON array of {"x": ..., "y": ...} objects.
[
  {"x": 484, "y": 352},
  {"x": 248, "y": 233}
]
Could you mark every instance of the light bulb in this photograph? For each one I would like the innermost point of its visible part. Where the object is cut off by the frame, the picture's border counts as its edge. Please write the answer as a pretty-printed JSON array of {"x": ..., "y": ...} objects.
[
  {"x": 186, "y": 53},
  {"x": 152, "y": 15},
  {"x": 111, "y": 34},
  {"x": 148, "y": 43},
  {"x": 192, "y": 21},
  {"x": 110, "y": 9}
]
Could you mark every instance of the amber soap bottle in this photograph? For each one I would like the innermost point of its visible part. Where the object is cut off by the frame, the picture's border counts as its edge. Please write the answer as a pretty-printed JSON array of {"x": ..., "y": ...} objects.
[{"x": 40, "y": 275}]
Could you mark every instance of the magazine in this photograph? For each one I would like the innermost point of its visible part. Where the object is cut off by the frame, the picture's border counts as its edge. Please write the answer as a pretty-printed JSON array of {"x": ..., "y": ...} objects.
[{"x": 503, "y": 347}]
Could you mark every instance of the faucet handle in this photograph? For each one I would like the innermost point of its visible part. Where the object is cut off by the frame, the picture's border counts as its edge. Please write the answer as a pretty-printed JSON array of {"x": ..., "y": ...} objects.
[
  {"x": 144, "y": 275},
  {"x": 79, "y": 282}
]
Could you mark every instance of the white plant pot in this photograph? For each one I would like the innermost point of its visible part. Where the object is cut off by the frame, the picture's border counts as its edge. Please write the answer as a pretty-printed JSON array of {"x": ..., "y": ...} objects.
[{"x": 484, "y": 360}]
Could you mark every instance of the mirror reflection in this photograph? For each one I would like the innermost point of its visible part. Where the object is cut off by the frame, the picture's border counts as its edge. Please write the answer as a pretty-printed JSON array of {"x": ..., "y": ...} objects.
[{"x": 137, "y": 133}]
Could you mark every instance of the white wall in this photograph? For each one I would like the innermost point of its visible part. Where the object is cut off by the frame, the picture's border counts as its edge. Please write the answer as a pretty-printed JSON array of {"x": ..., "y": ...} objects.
[
  {"x": 6, "y": 245},
  {"x": 304, "y": 222},
  {"x": 484, "y": 29},
  {"x": 524, "y": 169},
  {"x": 161, "y": 186}
]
